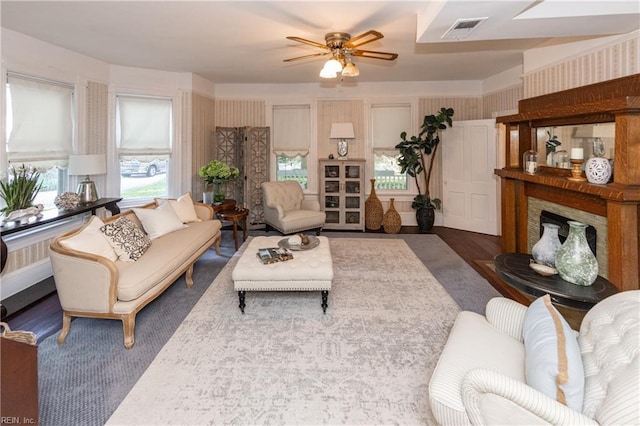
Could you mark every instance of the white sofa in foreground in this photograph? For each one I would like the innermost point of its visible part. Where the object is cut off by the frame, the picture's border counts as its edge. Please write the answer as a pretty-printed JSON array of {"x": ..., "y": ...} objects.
[
  {"x": 494, "y": 370},
  {"x": 99, "y": 280}
]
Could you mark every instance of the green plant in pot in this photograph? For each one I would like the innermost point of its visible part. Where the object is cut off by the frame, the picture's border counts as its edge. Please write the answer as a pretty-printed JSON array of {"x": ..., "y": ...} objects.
[
  {"x": 217, "y": 173},
  {"x": 21, "y": 189},
  {"x": 417, "y": 155}
]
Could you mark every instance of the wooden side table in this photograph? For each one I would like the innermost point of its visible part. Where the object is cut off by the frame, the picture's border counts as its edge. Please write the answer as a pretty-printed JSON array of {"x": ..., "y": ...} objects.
[
  {"x": 225, "y": 205},
  {"x": 236, "y": 216}
]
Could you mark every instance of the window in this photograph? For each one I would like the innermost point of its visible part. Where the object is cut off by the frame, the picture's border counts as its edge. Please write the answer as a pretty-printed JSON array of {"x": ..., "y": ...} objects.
[
  {"x": 387, "y": 122},
  {"x": 291, "y": 141},
  {"x": 40, "y": 127},
  {"x": 144, "y": 134}
]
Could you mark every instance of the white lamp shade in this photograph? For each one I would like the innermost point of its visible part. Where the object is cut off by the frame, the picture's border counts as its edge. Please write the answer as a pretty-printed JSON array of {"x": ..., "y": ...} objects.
[
  {"x": 89, "y": 164},
  {"x": 597, "y": 131},
  {"x": 350, "y": 70},
  {"x": 325, "y": 73},
  {"x": 604, "y": 131},
  {"x": 333, "y": 65},
  {"x": 342, "y": 131}
]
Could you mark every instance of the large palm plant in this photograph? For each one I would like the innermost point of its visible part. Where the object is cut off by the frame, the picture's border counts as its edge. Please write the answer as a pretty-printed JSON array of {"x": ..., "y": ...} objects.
[{"x": 417, "y": 155}]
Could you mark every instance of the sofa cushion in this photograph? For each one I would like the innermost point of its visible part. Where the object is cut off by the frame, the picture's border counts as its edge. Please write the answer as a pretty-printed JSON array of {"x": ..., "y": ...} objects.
[
  {"x": 91, "y": 240},
  {"x": 552, "y": 354},
  {"x": 159, "y": 221},
  {"x": 128, "y": 241},
  {"x": 463, "y": 353},
  {"x": 165, "y": 255},
  {"x": 183, "y": 207},
  {"x": 300, "y": 219}
]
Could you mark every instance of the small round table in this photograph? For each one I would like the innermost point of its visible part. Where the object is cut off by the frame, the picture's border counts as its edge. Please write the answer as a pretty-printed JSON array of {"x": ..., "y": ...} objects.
[
  {"x": 236, "y": 216},
  {"x": 514, "y": 269},
  {"x": 225, "y": 205}
]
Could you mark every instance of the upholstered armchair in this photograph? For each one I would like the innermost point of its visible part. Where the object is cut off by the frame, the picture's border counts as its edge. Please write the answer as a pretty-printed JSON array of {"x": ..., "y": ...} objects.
[
  {"x": 286, "y": 210},
  {"x": 483, "y": 376}
]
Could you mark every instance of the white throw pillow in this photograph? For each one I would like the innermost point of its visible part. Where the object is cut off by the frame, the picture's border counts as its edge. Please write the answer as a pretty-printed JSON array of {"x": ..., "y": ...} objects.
[
  {"x": 159, "y": 221},
  {"x": 552, "y": 354},
  {"x": 183, "y": 207},
  {"x": 128, "y": 241},
  {"x": 91, "y": 240}
]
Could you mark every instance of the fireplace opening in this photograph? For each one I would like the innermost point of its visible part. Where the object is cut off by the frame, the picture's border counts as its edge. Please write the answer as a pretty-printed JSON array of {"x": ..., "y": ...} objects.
[{"x": 563, "y": 232}]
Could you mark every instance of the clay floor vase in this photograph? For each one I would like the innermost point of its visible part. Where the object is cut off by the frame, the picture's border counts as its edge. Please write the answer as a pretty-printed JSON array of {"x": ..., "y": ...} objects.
[
  {"x": 391, "y": 221},
  {"x": 575, "y": 261},
  {"x": 373, "y": 212}
]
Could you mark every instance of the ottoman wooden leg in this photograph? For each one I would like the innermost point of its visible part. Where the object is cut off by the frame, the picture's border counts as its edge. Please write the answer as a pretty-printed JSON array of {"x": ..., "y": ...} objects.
[
  {"x": 241, "y": 295},
  {"x": 325, "y": 295}
]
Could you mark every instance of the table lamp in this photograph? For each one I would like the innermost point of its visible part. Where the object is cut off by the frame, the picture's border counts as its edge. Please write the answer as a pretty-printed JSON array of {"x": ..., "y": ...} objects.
[
  {"x": 89, "y": 164},
  {"x": 342, "y": 131}
]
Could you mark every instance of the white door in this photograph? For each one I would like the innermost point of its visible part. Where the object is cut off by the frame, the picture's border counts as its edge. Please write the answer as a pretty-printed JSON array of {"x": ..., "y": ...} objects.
[{"x": 469, "y": 200}]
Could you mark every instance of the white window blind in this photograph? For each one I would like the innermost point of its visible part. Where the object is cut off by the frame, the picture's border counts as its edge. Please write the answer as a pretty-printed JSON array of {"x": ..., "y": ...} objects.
[
  {"x": 39, "y": 121},
  {"x": 387, "y": 122},
  {"x": 144, "y": 128},
  {"x": 291, "y": 130}
]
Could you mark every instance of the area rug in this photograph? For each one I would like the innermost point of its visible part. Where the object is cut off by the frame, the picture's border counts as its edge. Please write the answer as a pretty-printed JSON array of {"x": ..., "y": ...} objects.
[{"x": 368, "y": 360}]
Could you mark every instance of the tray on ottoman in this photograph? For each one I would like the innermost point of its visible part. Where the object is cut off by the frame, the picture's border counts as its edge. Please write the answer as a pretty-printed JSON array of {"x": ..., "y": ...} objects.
[{"x": 310, "y": 270}]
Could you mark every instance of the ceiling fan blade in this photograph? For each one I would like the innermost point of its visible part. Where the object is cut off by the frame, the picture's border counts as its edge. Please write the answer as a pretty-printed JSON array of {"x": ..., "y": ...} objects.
[
  {"x": 305, "y": 57},
  {"x": 309, "y": 42},
  {"x": 364, "y": 38},
  {"x": 375, "y": 55}
]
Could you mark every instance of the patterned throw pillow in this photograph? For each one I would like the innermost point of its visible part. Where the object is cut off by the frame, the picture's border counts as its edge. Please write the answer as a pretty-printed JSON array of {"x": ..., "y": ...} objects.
[{"x": 128, "y": 241}]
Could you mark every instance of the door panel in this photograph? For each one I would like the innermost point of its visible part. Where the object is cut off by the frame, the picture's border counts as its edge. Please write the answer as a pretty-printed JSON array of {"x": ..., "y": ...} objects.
[{"x": 469, "y": 185}]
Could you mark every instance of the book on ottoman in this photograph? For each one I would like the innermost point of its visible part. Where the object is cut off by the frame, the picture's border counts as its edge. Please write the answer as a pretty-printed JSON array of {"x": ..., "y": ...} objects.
[{"x": 273, "y": 255}]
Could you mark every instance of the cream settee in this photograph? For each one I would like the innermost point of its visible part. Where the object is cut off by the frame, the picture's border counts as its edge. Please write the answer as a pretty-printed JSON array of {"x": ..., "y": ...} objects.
[
  {"x": 96, "y": 284},
  {"x": 494, "y": 370}
]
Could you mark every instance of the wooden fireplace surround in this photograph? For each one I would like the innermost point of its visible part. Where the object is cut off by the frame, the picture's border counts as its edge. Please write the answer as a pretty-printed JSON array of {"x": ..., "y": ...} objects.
[{"x": 616, "y": 101}]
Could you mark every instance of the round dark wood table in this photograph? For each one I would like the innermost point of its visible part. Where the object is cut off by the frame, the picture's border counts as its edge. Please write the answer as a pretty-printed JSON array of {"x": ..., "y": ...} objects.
[
  {"x": 514, "y": 269},
  {"x": 235, "y": 216}
]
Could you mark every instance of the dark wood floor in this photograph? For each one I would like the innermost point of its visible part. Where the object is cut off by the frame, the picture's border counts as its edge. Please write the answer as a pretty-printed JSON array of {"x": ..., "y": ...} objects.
[{"x": 44, "y": 317}]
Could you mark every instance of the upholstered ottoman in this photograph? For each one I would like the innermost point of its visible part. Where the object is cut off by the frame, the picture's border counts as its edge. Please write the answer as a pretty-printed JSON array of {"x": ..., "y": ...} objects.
[{"x": 309, "y": 270}]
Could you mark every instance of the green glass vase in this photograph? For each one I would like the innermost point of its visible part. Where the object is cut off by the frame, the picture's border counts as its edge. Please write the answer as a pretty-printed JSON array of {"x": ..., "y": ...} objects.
[{"x": 575, "y": 261}]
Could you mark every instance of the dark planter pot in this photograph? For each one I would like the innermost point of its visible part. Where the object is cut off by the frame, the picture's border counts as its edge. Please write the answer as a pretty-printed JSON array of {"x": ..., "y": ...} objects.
[{"x": 425, "y": 217}]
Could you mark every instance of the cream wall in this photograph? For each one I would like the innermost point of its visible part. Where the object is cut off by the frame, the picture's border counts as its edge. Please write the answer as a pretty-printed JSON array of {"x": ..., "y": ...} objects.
[{"x": 554, "y": 68}]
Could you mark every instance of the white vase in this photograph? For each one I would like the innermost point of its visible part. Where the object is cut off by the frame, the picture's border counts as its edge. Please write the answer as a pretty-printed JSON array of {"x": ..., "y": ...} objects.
[
  {"x": 544, "y": 251},
  {"x": 598, "y": 170}
]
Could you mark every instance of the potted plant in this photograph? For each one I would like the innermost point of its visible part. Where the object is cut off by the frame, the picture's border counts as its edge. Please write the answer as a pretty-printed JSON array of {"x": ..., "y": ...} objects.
[
  {"x": 217, "y": 173},
  {"x": 417, "y": 155},
  {"x": 20, "y": 190}
]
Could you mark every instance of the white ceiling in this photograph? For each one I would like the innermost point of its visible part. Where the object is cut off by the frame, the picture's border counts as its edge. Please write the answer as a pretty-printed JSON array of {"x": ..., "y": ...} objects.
[{"x": 244, "y": 42}]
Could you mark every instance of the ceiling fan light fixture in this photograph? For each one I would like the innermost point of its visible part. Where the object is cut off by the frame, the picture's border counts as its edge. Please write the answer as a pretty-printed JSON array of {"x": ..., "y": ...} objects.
[
  {"x": 350, "y": 70},
  {"x": 326, "y": 73},
  {"x": 333, "y": 65}
]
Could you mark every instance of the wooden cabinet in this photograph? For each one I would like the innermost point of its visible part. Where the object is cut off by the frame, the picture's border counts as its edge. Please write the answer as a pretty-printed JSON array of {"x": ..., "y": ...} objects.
[
  {"x": 342, "y": 193},
  {"x": 19, "y": 378}
]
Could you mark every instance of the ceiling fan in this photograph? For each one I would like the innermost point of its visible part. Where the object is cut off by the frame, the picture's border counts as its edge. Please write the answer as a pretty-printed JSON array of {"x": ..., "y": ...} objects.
[{"x": 343, "y": 47}]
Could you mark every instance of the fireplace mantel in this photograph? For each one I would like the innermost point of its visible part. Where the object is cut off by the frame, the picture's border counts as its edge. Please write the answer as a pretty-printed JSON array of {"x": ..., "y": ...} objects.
[{"x": 615, "y": 101}]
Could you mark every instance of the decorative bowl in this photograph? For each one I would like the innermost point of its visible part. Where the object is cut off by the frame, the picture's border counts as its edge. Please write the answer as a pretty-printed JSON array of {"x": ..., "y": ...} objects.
[
  {"x": 67, "y": 201},
  {"x": 543, "y": 270}
]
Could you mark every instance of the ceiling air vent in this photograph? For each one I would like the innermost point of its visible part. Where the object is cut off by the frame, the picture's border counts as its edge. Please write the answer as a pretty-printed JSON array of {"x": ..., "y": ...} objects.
[{"x": 462, "y": 28}]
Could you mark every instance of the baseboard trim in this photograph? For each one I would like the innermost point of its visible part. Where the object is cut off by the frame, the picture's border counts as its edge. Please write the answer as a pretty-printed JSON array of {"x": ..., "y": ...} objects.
[{"x": 23, "y": 278}]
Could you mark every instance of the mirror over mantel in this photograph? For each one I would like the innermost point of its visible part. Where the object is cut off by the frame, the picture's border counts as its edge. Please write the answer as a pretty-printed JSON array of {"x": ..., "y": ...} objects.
[{"x": 554, "y": 143}]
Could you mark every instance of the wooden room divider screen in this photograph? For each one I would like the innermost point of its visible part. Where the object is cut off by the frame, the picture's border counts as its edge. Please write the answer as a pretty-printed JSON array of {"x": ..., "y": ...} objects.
[{"x": 246, "y": 148}]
